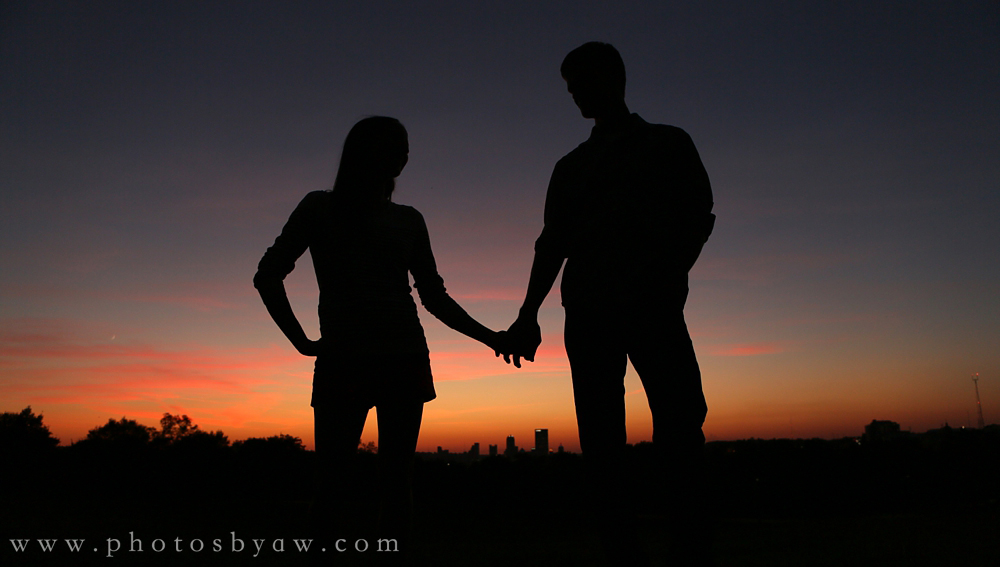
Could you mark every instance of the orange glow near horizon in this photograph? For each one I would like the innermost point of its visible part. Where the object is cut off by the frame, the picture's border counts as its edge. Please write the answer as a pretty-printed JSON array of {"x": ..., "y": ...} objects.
[{"x": 246, "y": 392}]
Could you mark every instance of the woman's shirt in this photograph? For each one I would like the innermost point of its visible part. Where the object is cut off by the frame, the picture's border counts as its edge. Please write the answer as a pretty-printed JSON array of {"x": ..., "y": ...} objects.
[{"x": 361, "y": 263}]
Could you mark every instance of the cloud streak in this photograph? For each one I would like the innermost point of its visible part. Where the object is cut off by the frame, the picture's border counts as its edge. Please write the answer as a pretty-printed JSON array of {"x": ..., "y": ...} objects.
[
  {"x": 754, "y": 349},
  {"x": 60, "y": 367}
]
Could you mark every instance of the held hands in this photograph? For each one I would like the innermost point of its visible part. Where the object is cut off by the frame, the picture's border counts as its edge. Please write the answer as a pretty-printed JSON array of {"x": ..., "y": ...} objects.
[{"x": 520, "y": 340}]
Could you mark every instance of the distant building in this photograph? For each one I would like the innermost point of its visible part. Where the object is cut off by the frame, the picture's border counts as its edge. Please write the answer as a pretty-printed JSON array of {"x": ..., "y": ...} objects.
[
  {"x": 542, "y": 441},
  {"x": 442, "y": 451},
  {"x": 474, "y": 451},
  {"x": 493, "y": 450},
  {"x": 881, "y": 431},
  {"x": 511, "y": 447},
  {"x": 561, "y": 450}
]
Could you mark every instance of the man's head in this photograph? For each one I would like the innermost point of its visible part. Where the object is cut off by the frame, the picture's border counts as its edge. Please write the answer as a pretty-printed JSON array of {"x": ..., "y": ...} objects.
[{"x": 595, "y": 76}]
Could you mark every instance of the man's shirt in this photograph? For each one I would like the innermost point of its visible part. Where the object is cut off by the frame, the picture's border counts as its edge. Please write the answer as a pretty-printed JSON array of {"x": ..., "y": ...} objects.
[{"x": 629, "y": 209}]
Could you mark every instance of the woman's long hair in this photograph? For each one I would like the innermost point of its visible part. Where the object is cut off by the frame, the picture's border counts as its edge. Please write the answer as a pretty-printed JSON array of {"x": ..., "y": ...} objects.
[{"x": 374, "y": 152}]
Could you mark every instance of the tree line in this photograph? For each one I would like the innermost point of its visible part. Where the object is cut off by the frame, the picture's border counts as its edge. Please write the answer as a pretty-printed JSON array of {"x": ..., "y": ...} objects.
[{"x": 24, "y": 433}]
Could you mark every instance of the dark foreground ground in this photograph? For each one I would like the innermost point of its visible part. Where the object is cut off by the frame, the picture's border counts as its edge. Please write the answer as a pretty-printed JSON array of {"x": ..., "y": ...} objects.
[{"x": 797, "y": 503}]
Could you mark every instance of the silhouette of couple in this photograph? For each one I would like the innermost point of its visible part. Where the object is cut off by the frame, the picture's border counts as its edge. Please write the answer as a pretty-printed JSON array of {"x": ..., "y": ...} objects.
[{"x": 628, "y": 211}]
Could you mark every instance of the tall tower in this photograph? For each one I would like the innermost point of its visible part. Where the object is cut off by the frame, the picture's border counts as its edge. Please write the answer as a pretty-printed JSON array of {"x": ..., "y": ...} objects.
[
  {"x": 542, "y": 441},
  {"x": 979, "y": 406},
  {"x": 511, "y": 449}
]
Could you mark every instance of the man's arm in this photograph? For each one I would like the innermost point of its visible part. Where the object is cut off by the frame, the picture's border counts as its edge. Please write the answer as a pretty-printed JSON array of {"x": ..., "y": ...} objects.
[
  {"x": 701, "y": 221},
  {"x": 544, "y": 269},
  {"x": 525, "y": 335}
]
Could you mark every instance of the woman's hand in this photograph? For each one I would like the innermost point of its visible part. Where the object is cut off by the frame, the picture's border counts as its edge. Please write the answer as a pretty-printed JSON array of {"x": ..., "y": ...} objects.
[
  {"x": 276, "y": 301},
  {"x": 309, "y": 347},
  {"x": 500, "y": 343}
]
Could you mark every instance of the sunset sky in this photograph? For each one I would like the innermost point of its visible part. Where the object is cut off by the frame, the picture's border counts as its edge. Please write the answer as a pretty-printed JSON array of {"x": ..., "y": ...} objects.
[{"x": 151, "y": 151}]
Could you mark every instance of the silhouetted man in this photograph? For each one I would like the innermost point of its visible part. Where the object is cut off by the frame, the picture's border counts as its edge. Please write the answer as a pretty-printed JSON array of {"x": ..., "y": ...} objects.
[{"x": 628, "y": 210}]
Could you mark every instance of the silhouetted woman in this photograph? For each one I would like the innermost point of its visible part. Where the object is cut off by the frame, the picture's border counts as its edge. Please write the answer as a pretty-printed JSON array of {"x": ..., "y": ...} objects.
[{"x": 372, "y": 351}]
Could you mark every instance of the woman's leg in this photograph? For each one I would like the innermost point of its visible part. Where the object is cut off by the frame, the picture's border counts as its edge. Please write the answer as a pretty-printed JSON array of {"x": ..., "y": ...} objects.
[
  {"x": 398, "y": 429},
  {"x": 338, "y": 428}
]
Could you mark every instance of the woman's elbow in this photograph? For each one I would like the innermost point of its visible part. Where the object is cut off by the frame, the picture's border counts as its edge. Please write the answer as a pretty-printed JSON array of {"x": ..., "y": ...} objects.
[{"x": 263, "y": 281}]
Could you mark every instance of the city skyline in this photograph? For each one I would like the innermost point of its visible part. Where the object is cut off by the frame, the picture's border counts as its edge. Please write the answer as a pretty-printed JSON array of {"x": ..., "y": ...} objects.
[{"x": 877, "y": 429}]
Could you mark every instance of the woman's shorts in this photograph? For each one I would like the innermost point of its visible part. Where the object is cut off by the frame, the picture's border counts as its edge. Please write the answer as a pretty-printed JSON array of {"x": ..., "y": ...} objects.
[{"x": 371, "y": 379}]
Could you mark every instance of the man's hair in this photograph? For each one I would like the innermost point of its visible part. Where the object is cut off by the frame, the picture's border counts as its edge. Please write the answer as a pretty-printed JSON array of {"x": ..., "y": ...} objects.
[{"x": 598, "y": 59}]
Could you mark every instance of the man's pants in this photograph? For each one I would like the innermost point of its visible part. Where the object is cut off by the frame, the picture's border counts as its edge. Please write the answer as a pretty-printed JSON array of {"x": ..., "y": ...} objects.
[{"x": 598, "y": 341}]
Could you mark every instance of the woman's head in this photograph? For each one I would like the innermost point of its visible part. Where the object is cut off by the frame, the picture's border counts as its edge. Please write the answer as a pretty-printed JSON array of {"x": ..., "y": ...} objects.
[{"x": 375, "y": 153}]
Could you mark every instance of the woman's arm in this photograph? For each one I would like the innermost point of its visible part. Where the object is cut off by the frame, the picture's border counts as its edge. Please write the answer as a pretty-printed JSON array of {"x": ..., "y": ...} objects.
[
  {"x": 434, "y": 297},
  {"x": 278, "y": 262},
  {"x": 276, "y": 302}
]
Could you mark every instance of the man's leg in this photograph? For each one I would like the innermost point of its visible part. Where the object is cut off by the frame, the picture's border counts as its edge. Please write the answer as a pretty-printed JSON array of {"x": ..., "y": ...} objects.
[
  {"x": 597, "y": 361},
  {"x": 661, "y": 352},
  {"x": 663, "y": 355}
]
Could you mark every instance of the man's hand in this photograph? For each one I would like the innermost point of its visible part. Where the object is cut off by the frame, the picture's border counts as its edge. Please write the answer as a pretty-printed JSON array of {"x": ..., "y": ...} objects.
[
  {"x": 524, "y": 334},
  {"x": 523, "y": 338}
]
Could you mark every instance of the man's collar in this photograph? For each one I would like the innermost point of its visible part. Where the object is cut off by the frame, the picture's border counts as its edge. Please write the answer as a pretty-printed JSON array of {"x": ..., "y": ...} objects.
[{"x": 613, "y": 130}]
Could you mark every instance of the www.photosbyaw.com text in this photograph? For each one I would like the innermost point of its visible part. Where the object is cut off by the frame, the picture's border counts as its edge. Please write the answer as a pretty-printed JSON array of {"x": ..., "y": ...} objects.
[{"x": 232, "y": 544}]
